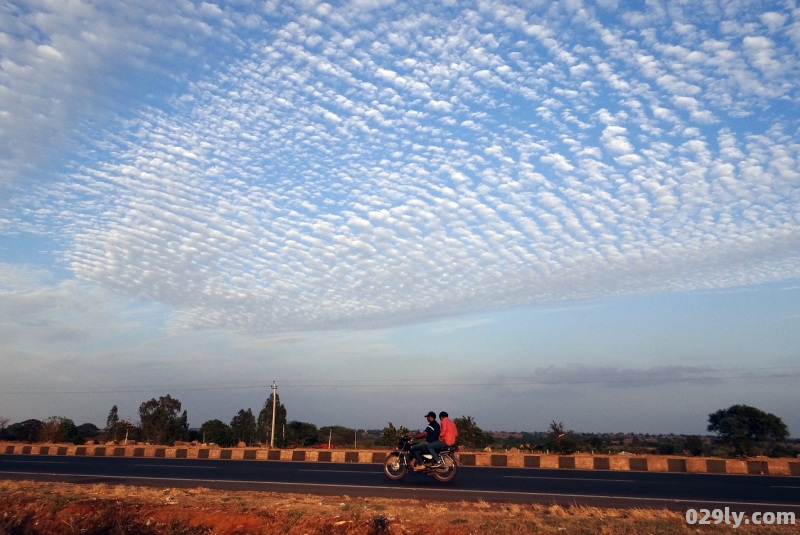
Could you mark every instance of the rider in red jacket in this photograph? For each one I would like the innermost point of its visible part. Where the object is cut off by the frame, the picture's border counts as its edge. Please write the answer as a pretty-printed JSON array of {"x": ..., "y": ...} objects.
[{"x": 447, "y": 437}]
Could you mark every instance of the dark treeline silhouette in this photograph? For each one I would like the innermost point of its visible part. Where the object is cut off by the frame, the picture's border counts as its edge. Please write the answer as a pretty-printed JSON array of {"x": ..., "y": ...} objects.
[{"x": 739, "y": 430}]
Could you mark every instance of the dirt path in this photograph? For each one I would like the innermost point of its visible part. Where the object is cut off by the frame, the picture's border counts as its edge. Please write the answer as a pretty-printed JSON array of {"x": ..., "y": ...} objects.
[{"x": 28, "y": 508}]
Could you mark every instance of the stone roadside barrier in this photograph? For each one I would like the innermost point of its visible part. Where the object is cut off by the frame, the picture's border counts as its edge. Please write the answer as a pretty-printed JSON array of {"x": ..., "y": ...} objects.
[{"x": 639, "y": 463}]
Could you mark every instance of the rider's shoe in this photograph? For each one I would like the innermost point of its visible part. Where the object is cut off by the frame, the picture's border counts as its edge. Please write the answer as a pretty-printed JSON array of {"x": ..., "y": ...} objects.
[{"x": 418, "y": 467}]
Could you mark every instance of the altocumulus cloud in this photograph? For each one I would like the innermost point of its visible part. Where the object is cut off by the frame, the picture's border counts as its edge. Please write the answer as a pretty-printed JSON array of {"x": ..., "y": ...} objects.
[{"x": 365, "y": 164}]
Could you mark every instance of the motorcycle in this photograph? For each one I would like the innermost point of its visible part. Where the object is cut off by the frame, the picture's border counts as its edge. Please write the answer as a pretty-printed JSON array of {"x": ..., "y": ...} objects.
[{"x": 398, "y": 463}]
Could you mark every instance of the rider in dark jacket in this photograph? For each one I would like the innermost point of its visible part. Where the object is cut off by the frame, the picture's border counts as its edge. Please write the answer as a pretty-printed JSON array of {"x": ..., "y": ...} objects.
[{"x": 431, "y": 434}]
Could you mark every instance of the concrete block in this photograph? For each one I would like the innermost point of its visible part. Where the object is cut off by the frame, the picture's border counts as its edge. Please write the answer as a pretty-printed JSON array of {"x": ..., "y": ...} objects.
[
  {"x": 565, "y": 461},
  {"x": 498, "y": 459},
  {"x": 716, "y": 466},
  {"x": 548, "y": 461},
  {"x": 676, "y": 465},
  {"x": 619, "y": 462},
  {"x": 584, "y": 462},
  {"x": 516, "y": 460},
  {"x": 638, "y": 464},
  {"x": 696, "y": 465},
  {"x": 601, "y": 463},
  {"x": 779, "y": 467},
  {"x": 483, "y": 459},
  {"x": 657, "y": 464}
]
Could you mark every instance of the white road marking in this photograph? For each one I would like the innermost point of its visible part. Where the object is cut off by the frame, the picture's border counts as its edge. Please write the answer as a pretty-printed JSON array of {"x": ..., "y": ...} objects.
[
  {"x": 178, "y": 466},
  {"x": 346, "y": 471},
  {"x": 572, "y": 479},
  {"x": 37, "y": 462}
]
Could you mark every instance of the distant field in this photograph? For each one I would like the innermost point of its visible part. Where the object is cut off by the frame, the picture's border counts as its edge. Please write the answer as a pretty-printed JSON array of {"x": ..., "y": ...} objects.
[{"x": 45, "y": 508}]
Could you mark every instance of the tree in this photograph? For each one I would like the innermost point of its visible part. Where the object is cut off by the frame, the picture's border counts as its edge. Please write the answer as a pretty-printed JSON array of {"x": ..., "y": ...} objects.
[
  {"x": 338, "y": 435},
  {"x": 301, "y": 433},
  {"x": 264, "y": 424},
  {"x": 161, "y": 422},
  {"x": 217, "y": 432},
  {"x": 693, "y": 444},
  {"x": 27, "y": 431},
  {"x": 469, "y": 434},
  {"x": 560, "y": 441},
  {"x": 243, "y": 426},
  {"x": 112, "y": 422},
  {"x": 745, "y": 428},
  {"x": 59, "y": 429},
  {"x": 126, "y": 431},
  {"x": 390, "y": 435},
  {"x": 88, "y": 430},
  {"x": 3, "y": 424},
  {"x": 597, "y": 444}
]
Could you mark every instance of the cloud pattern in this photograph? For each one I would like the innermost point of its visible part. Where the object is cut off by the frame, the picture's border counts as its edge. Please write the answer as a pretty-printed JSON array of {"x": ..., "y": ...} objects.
[{"x": 374, "y": 163}]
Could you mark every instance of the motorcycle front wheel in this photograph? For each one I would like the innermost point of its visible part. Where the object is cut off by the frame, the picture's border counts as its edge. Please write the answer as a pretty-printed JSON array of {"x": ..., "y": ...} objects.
[
  {"x": 394, "y": 467},
  {"x": 448, "y": 472}
]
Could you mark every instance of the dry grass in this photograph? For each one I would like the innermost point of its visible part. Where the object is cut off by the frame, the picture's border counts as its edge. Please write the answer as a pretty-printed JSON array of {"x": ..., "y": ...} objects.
[{"x": 28, "y": 508}]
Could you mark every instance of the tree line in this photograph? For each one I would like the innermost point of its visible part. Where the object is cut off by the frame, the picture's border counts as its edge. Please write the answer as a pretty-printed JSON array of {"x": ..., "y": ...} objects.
[
  {"x": 163, "y": 421},
  {"x": 741, "y": 431}
]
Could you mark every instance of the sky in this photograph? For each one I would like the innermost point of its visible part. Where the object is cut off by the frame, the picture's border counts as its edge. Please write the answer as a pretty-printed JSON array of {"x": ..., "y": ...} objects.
[{"x": 525, "y": 212}]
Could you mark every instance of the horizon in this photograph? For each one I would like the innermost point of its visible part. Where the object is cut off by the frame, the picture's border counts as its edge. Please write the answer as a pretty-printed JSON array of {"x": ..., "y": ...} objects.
[{"x": 524, "y": 211}]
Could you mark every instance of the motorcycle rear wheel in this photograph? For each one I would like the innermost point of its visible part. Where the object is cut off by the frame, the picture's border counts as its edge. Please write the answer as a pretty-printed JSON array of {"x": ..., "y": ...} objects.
[
  {"x": 394, "y": 467},
  {"x": 448, "y": 472}
]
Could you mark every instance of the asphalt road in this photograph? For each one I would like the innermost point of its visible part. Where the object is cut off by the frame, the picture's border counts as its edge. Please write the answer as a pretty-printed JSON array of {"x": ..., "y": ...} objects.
[{"x": 748, "y": 493}]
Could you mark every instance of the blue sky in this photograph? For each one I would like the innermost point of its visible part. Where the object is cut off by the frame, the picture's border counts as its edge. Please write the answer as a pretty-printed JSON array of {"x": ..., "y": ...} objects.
[{"x": 586, "y": 212}]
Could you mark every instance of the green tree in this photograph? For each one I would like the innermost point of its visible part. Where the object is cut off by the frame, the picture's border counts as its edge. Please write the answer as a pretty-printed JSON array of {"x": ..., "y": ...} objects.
[
  {"x": 126, "y": 431},
  {"x": 88, "y": 431},
  {"x": 597, "y": 444},
  {"x": 59, "y": 429},
  {"x": 746, "y": 428},
  {"x": 112, "y": 422},
  {"x": 162, "y": 421},
  {"x": 27, "y": 431},
  {"x": 390, "y": 435},
  {"x": 217, "y": 432},
  {"x": 693, "y": 444},
  {"x": 302, "y": 433},
  {"x": 470, "y": 435},
  {"x": 560, "y": 441},
  {"x": 264, "y": 423},
  {"x": 339, "y": 436},
  {"x": 243, "y": 426}
]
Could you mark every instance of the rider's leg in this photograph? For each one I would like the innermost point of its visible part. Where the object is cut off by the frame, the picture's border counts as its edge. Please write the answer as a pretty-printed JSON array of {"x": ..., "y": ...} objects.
[
  {"x": 434, "y": 447},
  {"x": 416, "y": 450}
]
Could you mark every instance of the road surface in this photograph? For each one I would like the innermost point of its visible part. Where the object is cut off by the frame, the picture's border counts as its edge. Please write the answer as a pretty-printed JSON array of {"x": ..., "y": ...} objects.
[{"x": 676, "y": 491}]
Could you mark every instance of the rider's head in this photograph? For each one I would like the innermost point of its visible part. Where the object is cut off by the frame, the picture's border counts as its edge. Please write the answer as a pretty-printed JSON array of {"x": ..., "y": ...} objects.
[
  {"x": 431, "y": 415},
  {"x": 443, "y": 415}
]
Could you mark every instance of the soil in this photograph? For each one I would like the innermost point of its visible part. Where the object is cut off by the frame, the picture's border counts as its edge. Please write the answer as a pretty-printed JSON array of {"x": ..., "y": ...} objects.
[{"x": 32, "y": 508}]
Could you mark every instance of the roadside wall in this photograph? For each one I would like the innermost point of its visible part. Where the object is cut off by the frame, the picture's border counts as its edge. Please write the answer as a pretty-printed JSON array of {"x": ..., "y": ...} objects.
[{"x": 641, "y": 463}]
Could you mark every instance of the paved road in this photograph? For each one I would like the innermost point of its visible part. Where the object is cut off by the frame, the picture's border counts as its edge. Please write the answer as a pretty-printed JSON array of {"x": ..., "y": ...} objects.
[{"x": 747, "y": 493}]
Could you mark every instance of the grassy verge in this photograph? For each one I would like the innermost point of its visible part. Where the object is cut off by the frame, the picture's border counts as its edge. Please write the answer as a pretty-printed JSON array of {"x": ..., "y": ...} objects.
[{"x": 28, "y": 508}]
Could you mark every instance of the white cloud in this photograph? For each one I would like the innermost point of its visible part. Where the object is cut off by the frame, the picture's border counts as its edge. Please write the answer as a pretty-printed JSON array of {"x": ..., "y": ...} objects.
[{"x": 408, "y": 162}]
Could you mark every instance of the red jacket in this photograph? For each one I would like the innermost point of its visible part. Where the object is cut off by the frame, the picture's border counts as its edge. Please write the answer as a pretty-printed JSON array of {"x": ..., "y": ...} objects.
[{"x": 448, "y": 431}]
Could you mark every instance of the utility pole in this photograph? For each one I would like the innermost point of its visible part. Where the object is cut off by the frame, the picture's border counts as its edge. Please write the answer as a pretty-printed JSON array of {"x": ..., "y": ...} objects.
[{"x": 274, "y": 404}]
